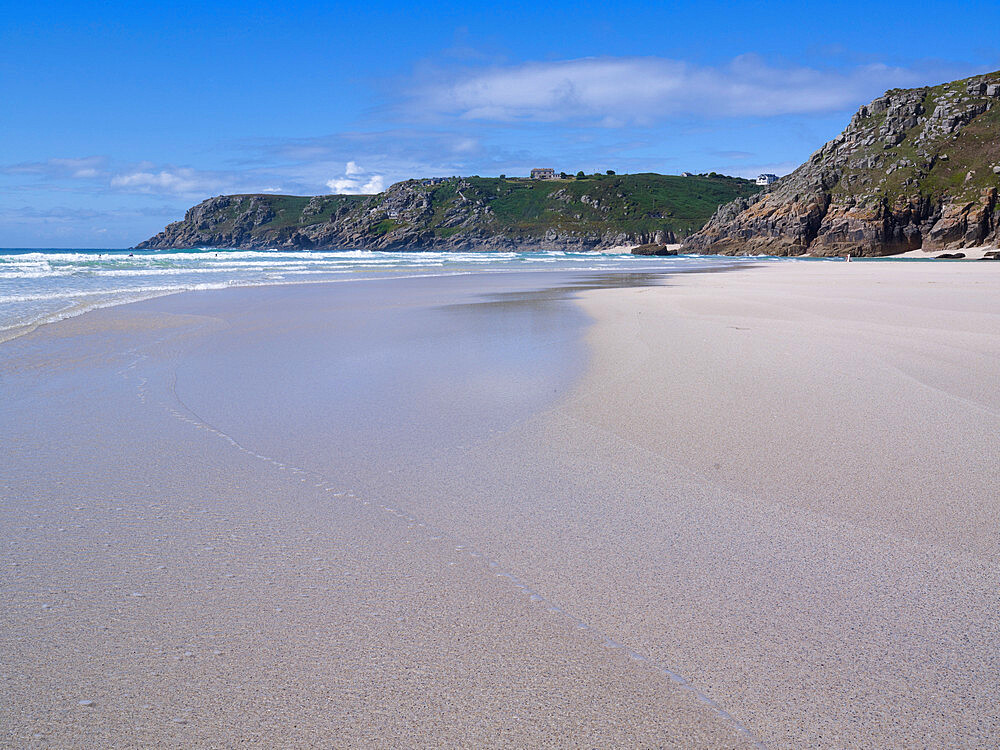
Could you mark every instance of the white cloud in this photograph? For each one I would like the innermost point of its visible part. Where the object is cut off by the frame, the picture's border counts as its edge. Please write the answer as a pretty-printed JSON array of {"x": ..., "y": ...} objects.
[
  {"x": 614, "y": 91},
  {"x": 357, "y": 181}
]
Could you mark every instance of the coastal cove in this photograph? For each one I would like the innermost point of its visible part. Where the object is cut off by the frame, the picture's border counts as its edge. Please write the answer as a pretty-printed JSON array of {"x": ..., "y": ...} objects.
[
  {"x": 536, "y": 376},
  {"x": 518, "y": 508}
]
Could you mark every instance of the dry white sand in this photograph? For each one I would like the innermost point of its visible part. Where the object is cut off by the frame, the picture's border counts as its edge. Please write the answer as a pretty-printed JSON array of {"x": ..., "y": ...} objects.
[
  {"x": 782, "y": 483},
  {"x": 769, "y": 504},
  {"x": 971, "y": 253},
  {"x": 839, "y": 585}
]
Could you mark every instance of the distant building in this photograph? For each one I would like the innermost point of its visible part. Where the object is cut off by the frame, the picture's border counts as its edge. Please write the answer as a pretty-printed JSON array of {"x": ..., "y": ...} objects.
[
  {"x": 543, "y": 173},
  {"x": 393, "y": 214},
  {"x": 686, "y": 174},
  {"x": 766, "y": 179}
]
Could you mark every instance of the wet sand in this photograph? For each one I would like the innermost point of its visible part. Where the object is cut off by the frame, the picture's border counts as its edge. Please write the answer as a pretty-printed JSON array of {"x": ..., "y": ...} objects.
[{"x": 758, "y": 507}]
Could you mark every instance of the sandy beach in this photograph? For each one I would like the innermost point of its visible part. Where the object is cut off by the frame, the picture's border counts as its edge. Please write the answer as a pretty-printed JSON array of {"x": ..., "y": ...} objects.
[{"x": 751, "y": 508}]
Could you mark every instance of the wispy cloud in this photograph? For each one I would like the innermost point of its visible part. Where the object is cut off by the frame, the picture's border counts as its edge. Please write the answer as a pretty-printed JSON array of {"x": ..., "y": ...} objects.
[
  {"x": 188, "y": 182},
  {"x": 178, "y": 181},
  {"x": 616, "y": 91},
  {"x": 53, "y": 214},
  {"x": 381, "y": 149},
  {"x": 88, "y": 167},
  {"x": 752, "y": 170},
  {"x": 73, "y": 215}
]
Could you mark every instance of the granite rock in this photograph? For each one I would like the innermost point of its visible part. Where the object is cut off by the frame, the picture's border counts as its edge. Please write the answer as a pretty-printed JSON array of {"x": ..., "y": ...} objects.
[{"x": 915, "y": 168}]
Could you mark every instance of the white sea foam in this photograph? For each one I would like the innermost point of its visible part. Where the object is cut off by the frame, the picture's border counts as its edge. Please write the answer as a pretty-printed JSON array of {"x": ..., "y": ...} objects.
[{"x": 39, "y": 286}]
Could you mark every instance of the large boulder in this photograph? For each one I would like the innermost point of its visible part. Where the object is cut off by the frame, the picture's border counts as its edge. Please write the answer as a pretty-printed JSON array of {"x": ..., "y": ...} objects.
[{"x": 654, "y": 248}]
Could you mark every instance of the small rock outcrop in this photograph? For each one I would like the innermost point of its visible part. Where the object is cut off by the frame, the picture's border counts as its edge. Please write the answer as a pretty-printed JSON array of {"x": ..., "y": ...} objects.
[
  {"x": 916, "y": 168},
  {"x": 654, "y": 248}
]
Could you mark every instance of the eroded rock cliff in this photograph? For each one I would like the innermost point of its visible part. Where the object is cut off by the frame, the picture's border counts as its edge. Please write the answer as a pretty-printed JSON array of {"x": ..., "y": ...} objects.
[{"x": 916, "y": 168}]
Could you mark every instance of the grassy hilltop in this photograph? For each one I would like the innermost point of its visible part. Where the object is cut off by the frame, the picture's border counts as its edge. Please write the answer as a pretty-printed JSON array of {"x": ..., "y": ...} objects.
[
  {"x": 465, "y": 213},
  {"x": 634, "y": 204}
]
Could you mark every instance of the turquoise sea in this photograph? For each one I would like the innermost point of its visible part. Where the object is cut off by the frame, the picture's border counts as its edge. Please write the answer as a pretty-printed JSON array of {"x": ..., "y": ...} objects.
[{"x": 38, "y": 286}]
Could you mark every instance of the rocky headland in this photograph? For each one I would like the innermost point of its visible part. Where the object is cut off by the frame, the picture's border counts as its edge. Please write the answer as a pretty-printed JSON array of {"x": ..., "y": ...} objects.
[
  {"x": 464, "y": 213},
  {"x": 915, "y": 169}
]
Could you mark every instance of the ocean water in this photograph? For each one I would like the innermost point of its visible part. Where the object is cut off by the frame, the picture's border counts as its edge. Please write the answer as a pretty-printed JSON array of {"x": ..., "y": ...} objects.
[{"x": 39, "y": 286}]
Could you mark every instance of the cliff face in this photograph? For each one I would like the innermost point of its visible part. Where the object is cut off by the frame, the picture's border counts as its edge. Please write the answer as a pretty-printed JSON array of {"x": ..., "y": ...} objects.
[
  {"x": 471, "y": 213},
  {"x": 916, "y": 168}
]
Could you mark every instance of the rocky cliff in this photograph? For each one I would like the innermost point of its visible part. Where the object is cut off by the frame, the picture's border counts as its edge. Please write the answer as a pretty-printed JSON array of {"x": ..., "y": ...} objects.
[
  {"x": 470, "y": 213},
  {"x": 916, "y": 168}
]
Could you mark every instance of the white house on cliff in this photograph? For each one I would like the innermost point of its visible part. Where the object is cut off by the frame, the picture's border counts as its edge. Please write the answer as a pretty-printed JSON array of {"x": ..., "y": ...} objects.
[{"x": 543, "y": 173}]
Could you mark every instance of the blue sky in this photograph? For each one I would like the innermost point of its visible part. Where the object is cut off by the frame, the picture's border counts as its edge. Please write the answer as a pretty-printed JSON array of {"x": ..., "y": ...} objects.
[{"x": 116, "y": 117}]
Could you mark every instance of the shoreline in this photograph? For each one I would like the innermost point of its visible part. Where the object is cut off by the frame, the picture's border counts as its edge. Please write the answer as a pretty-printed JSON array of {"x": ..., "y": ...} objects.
[
  {"x": 80, "y": 304},
  {"x": 417, "y": 513},
  {"x": 237, "y": 268}
]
